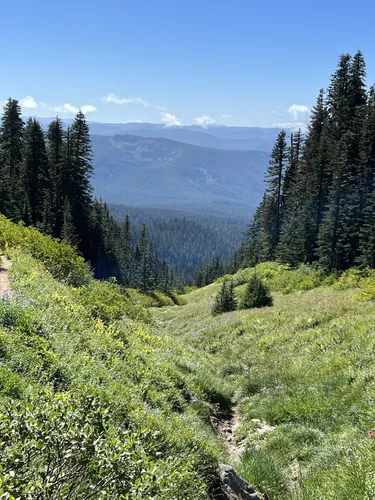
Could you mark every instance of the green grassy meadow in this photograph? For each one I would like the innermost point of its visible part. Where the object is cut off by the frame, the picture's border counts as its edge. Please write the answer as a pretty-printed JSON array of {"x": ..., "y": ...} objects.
[
  {"x": 304, "y": 366},
  {"x": 109, "y": 393}
]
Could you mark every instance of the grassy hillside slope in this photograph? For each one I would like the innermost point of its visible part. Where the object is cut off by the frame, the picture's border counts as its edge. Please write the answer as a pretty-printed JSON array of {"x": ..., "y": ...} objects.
[
  {"x": 103, "y": 396},
  {"x": 91, "y": 404},
  {"x": 300, "y": 375}
]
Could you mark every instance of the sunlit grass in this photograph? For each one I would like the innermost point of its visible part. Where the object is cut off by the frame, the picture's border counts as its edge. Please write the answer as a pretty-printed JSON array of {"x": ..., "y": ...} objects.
[{"x": 306, "y": 366}]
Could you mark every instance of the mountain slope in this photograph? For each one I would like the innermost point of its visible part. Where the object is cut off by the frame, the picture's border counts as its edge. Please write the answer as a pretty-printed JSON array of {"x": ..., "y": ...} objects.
[
  {"x": 155, "y": 171},
  {"x": 91, "y": 404}
]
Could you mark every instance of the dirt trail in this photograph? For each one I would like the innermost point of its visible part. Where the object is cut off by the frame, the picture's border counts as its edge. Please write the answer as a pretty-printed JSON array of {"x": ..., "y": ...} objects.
[
  {"x": 226, "y": 426},
  {"x": 5, "y": 265}
]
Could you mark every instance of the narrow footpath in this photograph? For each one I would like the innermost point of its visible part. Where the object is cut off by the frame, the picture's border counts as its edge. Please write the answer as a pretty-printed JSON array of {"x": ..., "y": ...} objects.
[{"x": 5, "y": 265}]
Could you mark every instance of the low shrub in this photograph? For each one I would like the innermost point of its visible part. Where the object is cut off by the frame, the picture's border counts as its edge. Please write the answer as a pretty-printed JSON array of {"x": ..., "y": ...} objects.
[
  {"x": 351, "y": 278},
  {"x": 282, "y": 278},
  {"x": 108, "y": 301},
  {"x": 161, "y": 299},
  {"x": 57, "y": 256},
  {"x": 366, "y": 287}
]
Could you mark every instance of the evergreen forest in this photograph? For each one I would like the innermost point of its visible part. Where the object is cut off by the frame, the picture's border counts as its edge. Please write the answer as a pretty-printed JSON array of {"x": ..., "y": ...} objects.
[
  {"x": 45, "y": 183},
  {"x": 320, "y": 198}
]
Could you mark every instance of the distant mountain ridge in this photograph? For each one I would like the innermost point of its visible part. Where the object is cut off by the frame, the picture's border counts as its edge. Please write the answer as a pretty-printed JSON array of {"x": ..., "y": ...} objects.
[
  {"x": 214, "y": 136},
  {"x": 146, "y": 171}
]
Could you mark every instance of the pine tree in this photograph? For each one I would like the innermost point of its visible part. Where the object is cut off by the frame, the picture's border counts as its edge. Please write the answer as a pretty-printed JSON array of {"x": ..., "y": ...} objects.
[
  {"x": 333, "y": 249},
  {"x": 272, "y": 210},
  {"x": 11, "y": 154},
  {"x": 225, "y": 300},
  {"x": 56, "y": 154},
  {"x": 340, "y": 228},
  {"x": 252, "y": 245},
  {"x": 36, "y": 180},
  {"x": 290, "y": 247},
  {"x": 78, "y": 163},
  {"x": 366, "y": 254},
  {"x": 256, "y": 294}
]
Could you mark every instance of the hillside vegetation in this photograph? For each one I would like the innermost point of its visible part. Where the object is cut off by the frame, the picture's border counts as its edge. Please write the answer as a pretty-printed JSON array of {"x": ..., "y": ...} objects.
[
  {"x": 92, "y": 405},
  {"x": 299, "y": 376},
  {"x": 105, "y": 395}
]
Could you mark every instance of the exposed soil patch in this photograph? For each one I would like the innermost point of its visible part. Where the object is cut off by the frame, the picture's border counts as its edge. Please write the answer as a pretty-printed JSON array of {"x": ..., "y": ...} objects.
[
  {"x": 5, "y": 265},
  {"x": 225, "y": 425}
]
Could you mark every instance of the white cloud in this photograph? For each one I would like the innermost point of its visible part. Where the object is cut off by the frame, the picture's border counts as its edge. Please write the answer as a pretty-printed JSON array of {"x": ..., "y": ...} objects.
[
  {"x": 87, "y": 108},
  {"x": 69, "y": 109},
  {"x": 29, "y": 102},
  {"x": 226, "y": 116},
  {"x": 204, "y": 120},
  {"x": 65, "y": 109},
  {"x": 291, "y": 125},
  {"x": 113, "y": 98},
  {"x": 298, "y": 111},
  {"x": 170, "y": 120}
]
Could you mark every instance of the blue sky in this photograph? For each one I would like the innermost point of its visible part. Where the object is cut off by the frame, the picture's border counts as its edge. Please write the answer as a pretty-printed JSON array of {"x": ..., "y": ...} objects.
[{"x": 237, "y": 62}]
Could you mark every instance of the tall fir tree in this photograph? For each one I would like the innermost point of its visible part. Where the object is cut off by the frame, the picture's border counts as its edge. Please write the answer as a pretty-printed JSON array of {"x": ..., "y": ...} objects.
[
  {"x": 68, "y": 230},
  {"x": 272, "y": 211},
  {"x": 79, "y": 189},
  {"x": 56, "y": 154},
  {"x": 36, "y": 178},
  {"x": 11, "y": 156},
  {"x": 366, "y": 254}
]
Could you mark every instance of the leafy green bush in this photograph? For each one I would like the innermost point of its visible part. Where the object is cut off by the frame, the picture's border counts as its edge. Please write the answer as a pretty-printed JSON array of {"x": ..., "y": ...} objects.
[
  {"x": 58, "y": 257},
  {"x": 108, "y": 301},
  {"x": 351, "y": 278},
  {"x": 282, "y": 278},
  {"x": 366, "y": 287},
  {"x": 66, "y": 446},
  {"x": 257, "y": 294},
  {"x": 161, "y": 299},
  {"x": 225, "y": 299}
]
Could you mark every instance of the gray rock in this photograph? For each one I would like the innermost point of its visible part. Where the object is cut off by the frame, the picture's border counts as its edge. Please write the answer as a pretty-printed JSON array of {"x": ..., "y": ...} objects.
[{"x": 234, "y": 487}]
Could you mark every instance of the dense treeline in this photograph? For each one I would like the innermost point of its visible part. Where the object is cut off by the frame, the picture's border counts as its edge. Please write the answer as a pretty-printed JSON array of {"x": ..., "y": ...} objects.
[
  {"x": 186, "y": 241},
  {"x": 319, "y": 205},
  {"x": 45, "y": 181}
]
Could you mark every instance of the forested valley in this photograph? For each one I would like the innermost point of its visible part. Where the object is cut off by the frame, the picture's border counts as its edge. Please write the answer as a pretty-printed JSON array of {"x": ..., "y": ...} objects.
[
  {"x": 188, "y": 242},
  {"x": 255, "y": 382}
]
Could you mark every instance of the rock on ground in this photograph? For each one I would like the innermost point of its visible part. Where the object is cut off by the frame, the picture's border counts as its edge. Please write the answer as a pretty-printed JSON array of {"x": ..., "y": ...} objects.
[{"x": 234, "y": 487}]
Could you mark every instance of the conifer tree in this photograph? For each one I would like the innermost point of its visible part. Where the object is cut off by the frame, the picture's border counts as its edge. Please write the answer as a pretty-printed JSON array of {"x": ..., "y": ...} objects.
[
  {"x": 256, "y": 294},
  {"x": 225, "y": 300},
  {"x": 11, "y": 155},
  {"x": 252, "y": 244},
  {"x": 340, "y": 228},
  {"x": 56, "y": 154},
  {"x": 36, "y": 179},
  {"x": 366, "y": 254},
  {"x": 290, "y": 247},
  {"x": 79, "y": 173},
  {"x": 272, "y": 210}
]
